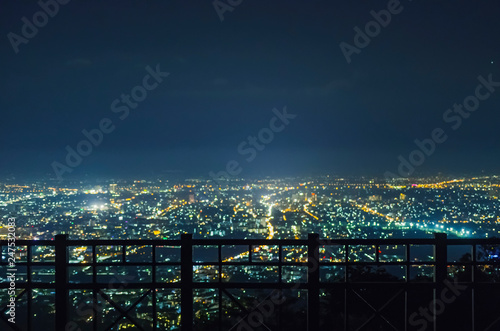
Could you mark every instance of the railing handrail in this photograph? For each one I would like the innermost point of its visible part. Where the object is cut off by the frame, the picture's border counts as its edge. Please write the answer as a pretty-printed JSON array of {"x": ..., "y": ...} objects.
[{"x": 247, "y": 241}]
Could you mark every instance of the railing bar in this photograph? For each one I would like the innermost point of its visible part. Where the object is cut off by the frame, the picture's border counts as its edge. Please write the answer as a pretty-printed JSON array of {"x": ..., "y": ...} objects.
[
  {"x": 271, "y": 285},
  {"x": 313, "y": 283},
  {"x": 111, "y": 264},
  {"x": 473, "y": 309},
  {"x": 407, "y": 259},
  {"x": 155, "y": 318},
  {"x": 176, "y": 242},
  {"x": 346, "y": 310},
  {"x": 474, "y": 263},
  {"x": 406, "y": 310},
  {"x": 424, "y": 241},
  {"x": 94, "y": 264},
  {"x": 219, "y": 253},
  {"x": 220, "y": 307},
  {"x": 280, "y": 263},
  {"x": 440, "y": 256},
  {"x": 29, "y": 292},
  {"x": 94, "y": 310},
  {"x": 153, "y": 256},
  {"x": 473, "y": 291},
  {"x": 187, "y": 282},
  {"x": 346, "y": 261},
  {"x": 153, "y": 278}
]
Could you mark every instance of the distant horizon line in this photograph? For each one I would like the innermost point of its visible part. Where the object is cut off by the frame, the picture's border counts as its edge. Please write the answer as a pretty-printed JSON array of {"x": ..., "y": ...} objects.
[{"x": 207, "y": 178}]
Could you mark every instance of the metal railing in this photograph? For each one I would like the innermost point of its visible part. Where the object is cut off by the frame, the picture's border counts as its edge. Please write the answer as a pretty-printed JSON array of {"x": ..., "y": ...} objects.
[{"x": 339, "y": 270}]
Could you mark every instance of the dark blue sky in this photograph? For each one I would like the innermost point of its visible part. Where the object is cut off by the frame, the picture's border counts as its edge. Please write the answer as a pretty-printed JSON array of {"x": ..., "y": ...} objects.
[{"x": 227, "y": 76}]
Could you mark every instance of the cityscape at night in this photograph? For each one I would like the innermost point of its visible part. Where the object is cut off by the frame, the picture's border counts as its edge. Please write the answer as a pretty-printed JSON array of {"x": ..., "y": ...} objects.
[
  {"x": 280, "y": 208},
  {"x": 236, "y": 165},
  {"x": 284, "y": 208}
]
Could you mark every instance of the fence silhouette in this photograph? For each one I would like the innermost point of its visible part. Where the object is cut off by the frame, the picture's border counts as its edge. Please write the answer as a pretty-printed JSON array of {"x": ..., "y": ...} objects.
[{"x": 348, "y": 284}]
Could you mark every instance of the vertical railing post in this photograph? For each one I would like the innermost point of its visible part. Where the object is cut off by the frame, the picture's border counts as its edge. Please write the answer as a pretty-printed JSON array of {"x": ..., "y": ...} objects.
[
  {"x": 313, "y": 282},
  {"x": 153, "y": 294},
  {"x": 441, "y": 258},
  {"x": 186, "y": 282},
  {"x": 61, "y": 282}
]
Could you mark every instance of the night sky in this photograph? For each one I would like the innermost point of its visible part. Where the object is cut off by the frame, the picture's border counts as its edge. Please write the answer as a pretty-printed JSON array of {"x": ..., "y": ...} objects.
[{"x": 226, "y": 77}]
